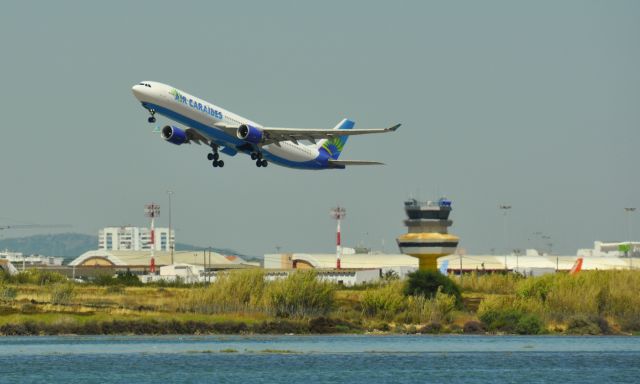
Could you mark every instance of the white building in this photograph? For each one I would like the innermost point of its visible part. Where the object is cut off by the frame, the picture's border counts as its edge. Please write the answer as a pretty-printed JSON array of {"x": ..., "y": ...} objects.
[
  {"x": 602, "y": 249},
  {"x": 346, "y": 277},
  {"x": 23, "y": 261},
  {"x": 134, "y": 239},
  {"x": 189, "y": 273},
  {"x": 400, "y": 264}
]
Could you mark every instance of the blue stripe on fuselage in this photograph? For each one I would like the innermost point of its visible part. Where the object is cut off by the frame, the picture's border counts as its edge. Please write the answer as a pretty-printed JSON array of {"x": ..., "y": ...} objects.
[{"x": 224, "y": 139}]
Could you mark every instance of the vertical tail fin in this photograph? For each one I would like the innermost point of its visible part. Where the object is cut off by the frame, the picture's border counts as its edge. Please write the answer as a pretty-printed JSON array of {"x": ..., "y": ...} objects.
[
  {"x": 444, "y": 266},
  {"x": 335, "y": 145},
  {"x": 577, "y": 267}
]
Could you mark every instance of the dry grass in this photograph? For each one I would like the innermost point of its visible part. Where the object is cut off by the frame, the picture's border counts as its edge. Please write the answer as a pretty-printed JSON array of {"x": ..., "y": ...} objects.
[
  {"x": 489, "y": 283},
  {"x": 561, "y": 301}
]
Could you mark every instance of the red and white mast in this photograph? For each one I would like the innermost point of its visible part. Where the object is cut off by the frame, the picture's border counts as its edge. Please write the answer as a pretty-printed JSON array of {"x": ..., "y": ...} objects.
[
  {"x": 152, "y": 211},
  {"x": 338, "y": 213}
]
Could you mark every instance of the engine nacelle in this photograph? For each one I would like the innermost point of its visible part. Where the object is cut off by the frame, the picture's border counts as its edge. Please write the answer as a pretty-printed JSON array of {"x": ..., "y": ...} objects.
[
  {"x": 174, "y": 135},
  {"x": 251, "y": 134}
]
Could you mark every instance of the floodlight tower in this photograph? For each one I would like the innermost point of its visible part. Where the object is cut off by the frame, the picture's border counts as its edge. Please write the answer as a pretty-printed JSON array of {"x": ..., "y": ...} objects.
[
  {"x": 338, "y": 213},
  {"x": 505, "y": 208},
  {"x": 152, "y": 211}
]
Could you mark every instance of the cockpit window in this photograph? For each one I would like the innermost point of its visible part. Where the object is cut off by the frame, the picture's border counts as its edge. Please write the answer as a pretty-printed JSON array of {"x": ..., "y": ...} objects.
[{"x": 145, "y": 84}]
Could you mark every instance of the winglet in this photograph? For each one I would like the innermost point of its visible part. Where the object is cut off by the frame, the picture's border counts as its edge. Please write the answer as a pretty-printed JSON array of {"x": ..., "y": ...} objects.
[{"x": 394, "y": 128}]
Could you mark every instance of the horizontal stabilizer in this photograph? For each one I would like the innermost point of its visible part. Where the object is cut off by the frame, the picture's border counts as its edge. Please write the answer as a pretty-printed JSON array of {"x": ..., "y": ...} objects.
[{"x": 354, "y": 162}]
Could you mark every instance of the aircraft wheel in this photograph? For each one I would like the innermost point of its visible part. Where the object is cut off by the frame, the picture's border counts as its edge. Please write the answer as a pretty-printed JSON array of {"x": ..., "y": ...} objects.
[
  {"x": 215, "y": 164},
  {"x": 210, "y": 156},
  {"x": 258, "y": 163},
  {"x": 151, "y": 119},
  {"x": 264, "y": 163},
  {"x": 221, "y": 163},
  {"x": 253, "y": 156},
  {"x": 216, "y": 156}
]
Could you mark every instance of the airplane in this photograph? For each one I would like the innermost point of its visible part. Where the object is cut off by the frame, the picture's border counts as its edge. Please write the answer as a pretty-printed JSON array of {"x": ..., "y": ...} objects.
[{"x": 228, "y": 133}]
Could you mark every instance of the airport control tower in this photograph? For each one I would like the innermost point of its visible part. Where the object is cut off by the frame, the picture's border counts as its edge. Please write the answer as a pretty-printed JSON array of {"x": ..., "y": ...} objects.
[{"x": 428, "y": 238}]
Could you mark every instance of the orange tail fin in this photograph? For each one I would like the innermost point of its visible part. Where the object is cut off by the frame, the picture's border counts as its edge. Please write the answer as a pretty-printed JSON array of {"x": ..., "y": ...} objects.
[{"x": 577, "y": 267}]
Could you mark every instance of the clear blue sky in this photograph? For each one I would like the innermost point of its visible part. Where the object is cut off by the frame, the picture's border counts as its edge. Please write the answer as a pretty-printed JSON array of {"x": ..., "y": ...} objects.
[{"x": 534, "y": 104}]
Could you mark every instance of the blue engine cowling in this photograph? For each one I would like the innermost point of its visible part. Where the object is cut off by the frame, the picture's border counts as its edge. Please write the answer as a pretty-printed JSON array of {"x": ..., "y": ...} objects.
[
  {"x": 174, "y": 135},
  {"x": 251, "y": 134}
]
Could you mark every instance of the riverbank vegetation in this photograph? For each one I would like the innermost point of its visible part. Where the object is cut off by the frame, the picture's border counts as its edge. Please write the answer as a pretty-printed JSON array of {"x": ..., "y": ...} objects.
[{"x": 37, "y": 302}]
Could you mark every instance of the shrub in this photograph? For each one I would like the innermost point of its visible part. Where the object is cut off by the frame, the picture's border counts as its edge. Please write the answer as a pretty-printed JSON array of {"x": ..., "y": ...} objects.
[
  {"x": 128, "y": 279},
  {"x": 587, "y": 325},
  {"x": 529, "y": 324},
  {"x": 512, "y": 321},
  {"x": 536, "y": 287},
  {"x": 501, "y": 320},
  {"x": 390, "y": 275},
  {"x": 427, "y": 283},
  {"x": 421, "y": 309},
  {"x": 499, "y": 283},
  {"x": 433, "y": 327},
  {"x": 301, "y": 294},
  {"x": 511, "y": 315},
  {"x": 473, "y": 326},
  {"x": 383, "y": 302},
  {"x": 28, "y": 308},
  {"x": 232, "y": 291},
  {"x": 104, "y": 279},
  {"x": 8, "y": 293},
  {"x": 5, "y": 276},
  {"x": 38, "y": 277},
  {"x": 62, "y": 293},
  {"x": 380, "y": 326}
]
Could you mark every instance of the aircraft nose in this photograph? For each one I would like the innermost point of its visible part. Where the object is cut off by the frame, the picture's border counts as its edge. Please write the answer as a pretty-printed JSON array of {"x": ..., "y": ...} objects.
[{"x": 138, "y": 90}]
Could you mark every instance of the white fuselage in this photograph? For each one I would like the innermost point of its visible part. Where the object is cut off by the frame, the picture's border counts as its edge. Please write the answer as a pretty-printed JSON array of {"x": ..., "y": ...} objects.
[{"x": 204, "y": 116}]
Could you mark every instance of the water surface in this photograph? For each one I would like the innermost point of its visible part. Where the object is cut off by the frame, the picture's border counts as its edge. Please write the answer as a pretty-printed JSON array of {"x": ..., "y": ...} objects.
[{"x": 320, "y": 359}]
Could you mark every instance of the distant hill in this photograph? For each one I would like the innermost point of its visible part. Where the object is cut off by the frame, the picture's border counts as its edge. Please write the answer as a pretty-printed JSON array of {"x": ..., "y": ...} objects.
[
  {"x": 72, "y": 245},
  {"x": 67, "y": 245}
]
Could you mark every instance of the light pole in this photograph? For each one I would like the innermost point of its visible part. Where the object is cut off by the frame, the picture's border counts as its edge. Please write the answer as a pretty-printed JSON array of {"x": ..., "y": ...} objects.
[
  {"x": 517, "y": 253},
  {"x": 550, "y": 245},
  {"x": 170, "y": 242},
  {"x": 629, "y": 211},
  {"x": 505, "y": 208},
  {"x": 152, "y": 211},
  {"x": 338, "y": 213}
]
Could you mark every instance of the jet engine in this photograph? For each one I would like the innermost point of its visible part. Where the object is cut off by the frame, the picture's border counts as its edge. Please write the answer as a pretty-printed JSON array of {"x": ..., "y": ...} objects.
[
  {"x": 174, "y": 135},
  {"x": 251, "y": 134}
]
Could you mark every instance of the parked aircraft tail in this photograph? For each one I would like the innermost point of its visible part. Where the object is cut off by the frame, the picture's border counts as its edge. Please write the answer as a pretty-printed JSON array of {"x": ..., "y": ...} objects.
[
  {"x": 444, "y": 266},
  {"x": 577, "y": 267}
]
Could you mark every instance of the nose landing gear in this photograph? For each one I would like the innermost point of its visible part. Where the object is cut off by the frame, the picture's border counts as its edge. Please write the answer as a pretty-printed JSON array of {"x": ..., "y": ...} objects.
[{"x": 152, "y": 118}]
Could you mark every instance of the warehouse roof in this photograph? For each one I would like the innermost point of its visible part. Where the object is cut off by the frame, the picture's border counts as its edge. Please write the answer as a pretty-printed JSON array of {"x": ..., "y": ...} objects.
[{"x": 138, "y": 258}]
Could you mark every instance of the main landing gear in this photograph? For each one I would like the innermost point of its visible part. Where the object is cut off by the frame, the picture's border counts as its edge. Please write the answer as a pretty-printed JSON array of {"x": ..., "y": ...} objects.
[
  {"x": 214, "y": 157},
  {"x": 260, "y": 162},
  {"x": 152, "y": 118}
]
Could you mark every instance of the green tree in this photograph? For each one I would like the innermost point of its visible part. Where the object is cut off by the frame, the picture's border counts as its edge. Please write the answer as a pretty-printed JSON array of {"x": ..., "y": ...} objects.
[{"x": 427, "y": 283}]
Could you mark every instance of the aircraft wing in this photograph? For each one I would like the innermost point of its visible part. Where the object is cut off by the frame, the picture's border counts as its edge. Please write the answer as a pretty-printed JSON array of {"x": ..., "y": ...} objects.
[
  {"x": 196, "y": 137},
  {"x": 275, "y": 135},
  {"x": 354, "y": 162}
]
